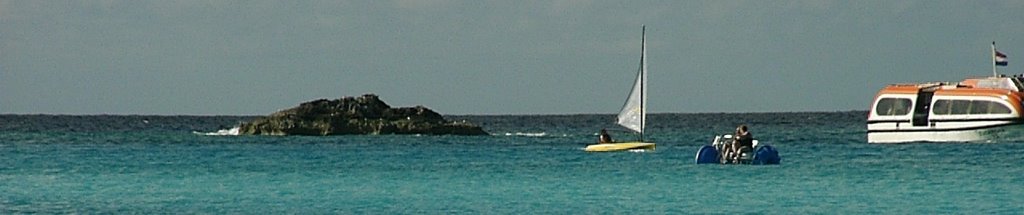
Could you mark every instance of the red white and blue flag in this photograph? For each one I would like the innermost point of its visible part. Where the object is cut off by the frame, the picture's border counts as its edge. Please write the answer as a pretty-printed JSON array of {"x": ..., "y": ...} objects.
[{"x": 1000, "y": 59}]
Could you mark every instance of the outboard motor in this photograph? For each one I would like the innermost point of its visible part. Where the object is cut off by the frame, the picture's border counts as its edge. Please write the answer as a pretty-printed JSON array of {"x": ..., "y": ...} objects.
[{"x": 766, "y": 155}]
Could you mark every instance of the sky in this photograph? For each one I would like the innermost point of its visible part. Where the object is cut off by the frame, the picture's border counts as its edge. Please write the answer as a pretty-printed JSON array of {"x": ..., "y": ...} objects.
[{"x": 488, "y": 57}]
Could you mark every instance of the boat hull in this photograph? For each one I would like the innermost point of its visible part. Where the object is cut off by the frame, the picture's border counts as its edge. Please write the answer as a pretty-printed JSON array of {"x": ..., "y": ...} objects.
[
  {"x": 612, "y": 147},
  {"x": 963, "y": 134},
  {"x": 764, "y": 155}
]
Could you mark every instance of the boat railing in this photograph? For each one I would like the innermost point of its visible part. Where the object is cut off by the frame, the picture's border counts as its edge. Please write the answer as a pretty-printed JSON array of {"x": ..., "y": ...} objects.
[{"x": 927, "y": 85}]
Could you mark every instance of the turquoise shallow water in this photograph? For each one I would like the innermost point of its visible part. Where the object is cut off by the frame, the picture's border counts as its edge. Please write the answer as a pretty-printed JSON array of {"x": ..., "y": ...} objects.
[{"x": 532, "y": 164}]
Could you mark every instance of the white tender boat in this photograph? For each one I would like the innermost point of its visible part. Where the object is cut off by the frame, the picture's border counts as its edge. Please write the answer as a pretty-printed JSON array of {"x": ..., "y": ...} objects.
[{"x": 975, "y": 109}]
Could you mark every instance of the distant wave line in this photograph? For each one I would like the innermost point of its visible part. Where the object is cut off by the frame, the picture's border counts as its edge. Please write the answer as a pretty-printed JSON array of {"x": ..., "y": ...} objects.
[
  {"x": 533, "y": 134},
  {"x": 221, "y": 132}
]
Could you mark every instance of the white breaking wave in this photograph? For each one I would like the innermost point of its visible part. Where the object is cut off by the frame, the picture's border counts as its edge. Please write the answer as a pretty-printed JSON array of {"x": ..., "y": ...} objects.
[
  {"x": 534, "y": 134},
  {"x": 541, "y": 134},
  {"x": 222, "y": 132}
]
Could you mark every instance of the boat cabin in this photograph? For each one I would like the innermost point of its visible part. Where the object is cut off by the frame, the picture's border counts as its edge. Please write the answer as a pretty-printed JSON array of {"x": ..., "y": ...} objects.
[{"x": 972, "y": 104}]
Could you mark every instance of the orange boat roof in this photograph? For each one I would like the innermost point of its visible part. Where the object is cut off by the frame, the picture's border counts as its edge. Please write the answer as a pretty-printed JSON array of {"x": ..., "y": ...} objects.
[{"x": 990, "y": 86}]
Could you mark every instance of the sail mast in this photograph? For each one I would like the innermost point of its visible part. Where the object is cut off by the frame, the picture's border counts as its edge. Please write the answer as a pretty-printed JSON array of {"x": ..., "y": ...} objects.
[{"x": 643, "y": 84}]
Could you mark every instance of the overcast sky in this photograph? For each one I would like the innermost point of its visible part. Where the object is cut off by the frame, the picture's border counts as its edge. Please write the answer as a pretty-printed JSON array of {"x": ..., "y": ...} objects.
[{"x": 488, "y": 57}]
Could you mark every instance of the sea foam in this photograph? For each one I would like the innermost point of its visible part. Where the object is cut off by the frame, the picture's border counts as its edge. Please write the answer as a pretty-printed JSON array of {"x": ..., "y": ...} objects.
[
  {"x": 221, "y": 132},
  {"x": 527, "y": 134}
]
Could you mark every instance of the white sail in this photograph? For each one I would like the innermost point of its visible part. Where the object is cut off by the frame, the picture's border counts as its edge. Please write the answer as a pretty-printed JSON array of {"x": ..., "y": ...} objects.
[{"x": 634, "y": 112}]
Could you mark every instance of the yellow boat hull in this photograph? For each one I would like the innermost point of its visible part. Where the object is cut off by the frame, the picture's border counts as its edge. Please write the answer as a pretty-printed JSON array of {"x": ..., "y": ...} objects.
[{"x": 611, "y": 147}]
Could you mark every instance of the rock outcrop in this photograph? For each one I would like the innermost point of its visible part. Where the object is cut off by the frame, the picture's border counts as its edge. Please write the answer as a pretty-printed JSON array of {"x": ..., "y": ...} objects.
[{"x": 356, "y": 115}]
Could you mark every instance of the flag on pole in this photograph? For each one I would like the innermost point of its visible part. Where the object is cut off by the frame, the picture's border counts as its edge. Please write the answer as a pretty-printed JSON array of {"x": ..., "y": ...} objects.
[{"x": 1000, "y": 59}]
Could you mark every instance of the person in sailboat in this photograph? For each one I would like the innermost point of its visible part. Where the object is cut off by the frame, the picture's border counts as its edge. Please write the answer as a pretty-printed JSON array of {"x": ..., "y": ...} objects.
[
  {"x": 742, "y": 141},
  {"x": 604, "y": 137}
]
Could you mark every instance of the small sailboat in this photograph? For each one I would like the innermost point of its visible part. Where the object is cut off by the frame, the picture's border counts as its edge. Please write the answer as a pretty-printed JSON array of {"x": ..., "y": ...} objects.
[{"x": 634, "y": 113}]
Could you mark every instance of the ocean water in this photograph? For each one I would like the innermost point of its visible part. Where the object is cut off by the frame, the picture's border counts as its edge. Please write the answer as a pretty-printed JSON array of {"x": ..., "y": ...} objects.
[{"x": 529, "y": 165}]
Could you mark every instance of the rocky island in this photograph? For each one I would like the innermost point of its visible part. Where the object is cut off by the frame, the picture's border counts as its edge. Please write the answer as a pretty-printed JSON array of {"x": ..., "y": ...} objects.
[{"x": 366, "y": 114}]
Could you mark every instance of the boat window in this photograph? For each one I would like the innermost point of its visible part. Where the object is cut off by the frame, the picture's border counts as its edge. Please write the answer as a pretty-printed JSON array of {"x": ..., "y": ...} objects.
[
  {"x": 941, "y": 107},
  {"x": 892, "y": 107},
  {"x": 959, "y": 107},
  {"x": 998, "y": 108},
  {"x": 979, "y": 107}
]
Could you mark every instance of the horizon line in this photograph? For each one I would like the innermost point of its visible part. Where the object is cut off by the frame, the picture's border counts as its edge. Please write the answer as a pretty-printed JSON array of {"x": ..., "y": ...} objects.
[{"x": 470, "y": 114}]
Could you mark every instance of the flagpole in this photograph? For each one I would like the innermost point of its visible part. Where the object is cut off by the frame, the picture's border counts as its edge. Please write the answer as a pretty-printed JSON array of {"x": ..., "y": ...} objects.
[{"x": 994, "y": 74}]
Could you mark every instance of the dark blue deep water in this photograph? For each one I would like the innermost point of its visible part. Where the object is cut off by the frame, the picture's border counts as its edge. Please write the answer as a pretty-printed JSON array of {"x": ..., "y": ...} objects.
[{"x": 531, "y": 164}]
